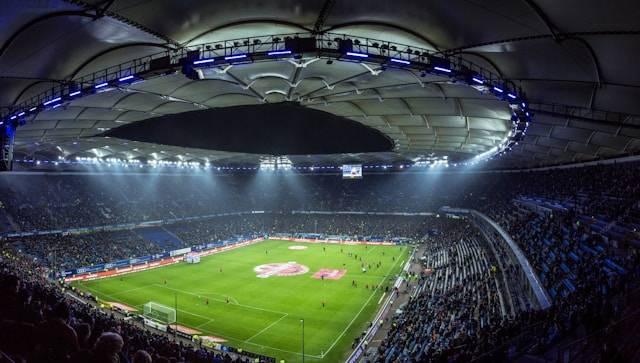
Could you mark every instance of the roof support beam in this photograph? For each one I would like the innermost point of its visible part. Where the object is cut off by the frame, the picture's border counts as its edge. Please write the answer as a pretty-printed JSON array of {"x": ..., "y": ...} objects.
[
  {"x": 323, "y": 15},
  {"x": 104, "y": 11},
  {"x": 543, "y": 17},
  {"x": 458, "y": 50},
  {"x": 112, "y": 49},
  {"x": 39, "y": 19}
]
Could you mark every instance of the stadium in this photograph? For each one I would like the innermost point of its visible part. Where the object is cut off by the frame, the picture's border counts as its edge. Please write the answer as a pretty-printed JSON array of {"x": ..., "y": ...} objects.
[{"x": 319, "y": 181}]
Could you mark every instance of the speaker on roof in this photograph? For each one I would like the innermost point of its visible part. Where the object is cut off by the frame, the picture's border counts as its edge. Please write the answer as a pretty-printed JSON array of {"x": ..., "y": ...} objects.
[
  {"x": 346, "y": 45},
  {"x": 160, "y": 63},
  {"x": 300, "y": 45}
]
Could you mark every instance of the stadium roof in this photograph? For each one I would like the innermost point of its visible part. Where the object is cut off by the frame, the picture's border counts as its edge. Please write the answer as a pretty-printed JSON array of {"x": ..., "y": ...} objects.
[{"x": 575, "y": 61}]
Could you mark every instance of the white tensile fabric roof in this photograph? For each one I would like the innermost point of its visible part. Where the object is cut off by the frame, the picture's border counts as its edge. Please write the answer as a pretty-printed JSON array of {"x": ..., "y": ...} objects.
[{"x": 575, "y": 60}]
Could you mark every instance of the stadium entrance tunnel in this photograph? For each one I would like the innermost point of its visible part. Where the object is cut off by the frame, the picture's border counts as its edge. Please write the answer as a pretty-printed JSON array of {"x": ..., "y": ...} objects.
[{"x": 274, "y": 129}]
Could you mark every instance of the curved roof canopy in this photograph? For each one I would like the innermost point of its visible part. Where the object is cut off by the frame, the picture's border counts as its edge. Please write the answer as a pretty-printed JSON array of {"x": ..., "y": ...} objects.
[{"x": 574, "y": 62}]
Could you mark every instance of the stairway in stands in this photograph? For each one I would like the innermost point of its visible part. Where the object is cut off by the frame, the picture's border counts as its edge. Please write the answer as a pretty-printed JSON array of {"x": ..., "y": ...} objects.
[{"x": 164, "y": 239}]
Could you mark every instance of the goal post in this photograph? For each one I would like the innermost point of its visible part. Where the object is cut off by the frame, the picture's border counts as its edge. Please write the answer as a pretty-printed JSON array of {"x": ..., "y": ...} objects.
[{"x": 159, "y": 313}]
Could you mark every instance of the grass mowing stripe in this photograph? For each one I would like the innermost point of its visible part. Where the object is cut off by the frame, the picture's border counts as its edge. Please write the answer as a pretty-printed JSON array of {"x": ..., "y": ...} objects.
[
  {"x": 362, "y": 308},
  {"x": 268, "y": 324}
]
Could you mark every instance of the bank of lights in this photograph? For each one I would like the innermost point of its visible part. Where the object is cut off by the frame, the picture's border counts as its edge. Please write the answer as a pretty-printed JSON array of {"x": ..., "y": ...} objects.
[
  {"x": 273, "y": 163},
  {"x": 279, "y": 52},
  {"x": 483, "y": 82}
]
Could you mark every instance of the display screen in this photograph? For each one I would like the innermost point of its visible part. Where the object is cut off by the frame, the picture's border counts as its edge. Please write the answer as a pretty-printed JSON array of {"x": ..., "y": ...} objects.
[{"x": 351, "y": 171}]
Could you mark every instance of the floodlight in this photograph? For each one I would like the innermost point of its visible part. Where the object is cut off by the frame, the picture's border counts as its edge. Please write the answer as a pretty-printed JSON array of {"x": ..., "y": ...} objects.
[
  {"x": 442, "y": 69},
  {"x": 52, "y": 101},
  {"x": 237, "y": 56},
  {"x": 401, "y": 61},
  {"x": 279, "y": 52}
]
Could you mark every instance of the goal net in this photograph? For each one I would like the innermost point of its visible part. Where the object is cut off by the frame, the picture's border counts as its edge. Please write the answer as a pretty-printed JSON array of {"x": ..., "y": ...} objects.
[
  {"x": 159, "y": 313},
  {"x": 193, "y": 258}
]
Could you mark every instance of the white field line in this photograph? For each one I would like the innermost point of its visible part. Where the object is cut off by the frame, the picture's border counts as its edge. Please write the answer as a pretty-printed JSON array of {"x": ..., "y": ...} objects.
[
  {"x": 120, "y": 301},
  {"x": 262, "y": 346},
  {"x": 207, "y": 294},
  {"x": 265, "y": 329},
  {"x": 272, "y": 311},
  {"x": 134, "y": 289},
  {"x": 359, "y": 312},
  {"x": 381, "y": 297},
  {"x": 205, "y": 323},
  {"x": 242, "y": 305},
  {"x": 369, "y": 251}
]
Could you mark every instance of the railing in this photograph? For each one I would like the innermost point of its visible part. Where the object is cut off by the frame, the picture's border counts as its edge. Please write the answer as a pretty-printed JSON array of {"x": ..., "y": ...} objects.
[
  {"x": 326, "y": 43},
  {"x": 539, "y": 292}
]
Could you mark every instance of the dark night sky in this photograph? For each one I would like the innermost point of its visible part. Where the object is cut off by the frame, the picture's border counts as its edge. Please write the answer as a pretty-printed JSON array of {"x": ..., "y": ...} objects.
[{"x": 276, "y": 129}]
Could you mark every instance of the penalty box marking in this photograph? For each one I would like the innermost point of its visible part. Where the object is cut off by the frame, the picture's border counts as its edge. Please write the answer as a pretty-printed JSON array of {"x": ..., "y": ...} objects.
[
  {"x": 279, "y": 312},
  {"x": 266, "y": 328},
  {"x": 263, "y": 346},
  {"x": 242, "y": 305},
  {"x": 141, "y": 305}
]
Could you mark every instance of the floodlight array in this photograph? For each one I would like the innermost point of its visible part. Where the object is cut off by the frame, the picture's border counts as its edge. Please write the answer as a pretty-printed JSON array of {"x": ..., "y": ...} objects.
[{"x": 276, "y": 48}]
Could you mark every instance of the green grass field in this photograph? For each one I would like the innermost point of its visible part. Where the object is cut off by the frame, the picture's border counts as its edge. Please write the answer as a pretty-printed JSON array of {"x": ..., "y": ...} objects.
[{"x": 263, "y": 315}]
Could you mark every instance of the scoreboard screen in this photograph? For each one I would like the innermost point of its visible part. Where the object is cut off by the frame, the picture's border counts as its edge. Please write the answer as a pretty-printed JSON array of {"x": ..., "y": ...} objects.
[{"x": 351, "y": 171}]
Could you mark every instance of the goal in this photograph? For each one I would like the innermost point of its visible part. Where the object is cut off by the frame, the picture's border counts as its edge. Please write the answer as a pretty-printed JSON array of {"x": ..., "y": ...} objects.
[
  {"x": 192, "y": 258},
  {"x": 159, "y": 313}
]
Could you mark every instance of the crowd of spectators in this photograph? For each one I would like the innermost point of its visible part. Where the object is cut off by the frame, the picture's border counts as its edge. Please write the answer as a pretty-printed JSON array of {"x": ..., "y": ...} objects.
[
  {"x": 61, "y": 252},
  {"x": 460, "y": 312},
  {"x": 53, "y": 201},
  {"x": 40, "y": 323},
  {"x": 445, "y": 323},
  {"x": 67, "y": 251},
  {"x": 458, "y": 301}
]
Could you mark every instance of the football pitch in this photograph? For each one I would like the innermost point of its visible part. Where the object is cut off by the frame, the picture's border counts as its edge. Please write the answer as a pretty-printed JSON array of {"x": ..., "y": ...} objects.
[{"x": 255, "y": 297}]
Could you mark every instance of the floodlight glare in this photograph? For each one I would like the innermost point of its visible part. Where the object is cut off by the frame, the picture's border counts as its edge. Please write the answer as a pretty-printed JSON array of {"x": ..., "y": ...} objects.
[
  {"x": 237, "y": 56},
  {"x": 52, "y": 101},
  {"x": 359, "y": 55},
  {"x": 401, "y": 61},
  {"x": 442, "y": 69},
  {"x": 279, "y": 52},
  {"x": 203, "y": 61}
]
